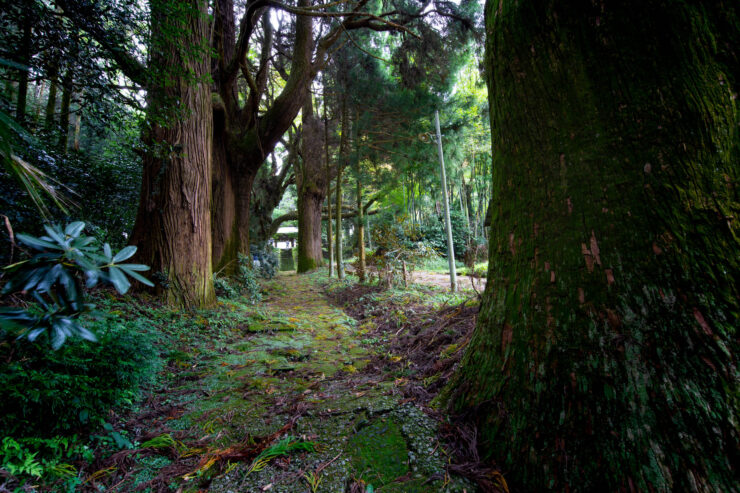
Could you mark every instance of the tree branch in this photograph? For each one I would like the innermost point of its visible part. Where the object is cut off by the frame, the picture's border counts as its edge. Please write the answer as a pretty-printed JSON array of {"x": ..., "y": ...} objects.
[{"x": 87, "y": 17}]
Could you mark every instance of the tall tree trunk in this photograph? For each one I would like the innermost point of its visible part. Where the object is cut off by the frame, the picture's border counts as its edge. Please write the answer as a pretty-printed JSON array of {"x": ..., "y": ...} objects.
[
  {"x": 51, "y": 103},
  {"x": 173, "y": 224},
  {"x": 340, "y": 164},
  {"x": 329, "y": 233},
  {"x": 605, "y": 356},
  {"x": 78, "y": 124},
  {"x": 311, "y": 184},
  {"x": 64, "y": 110},
  {"x": 360, "y": 233},
  {"x": 224, "y": 228},
  {"x": 248, "y": 140}
]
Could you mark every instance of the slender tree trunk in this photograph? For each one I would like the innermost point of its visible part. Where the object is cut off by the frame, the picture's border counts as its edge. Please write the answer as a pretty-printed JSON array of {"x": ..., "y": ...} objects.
[
  {"x": 50, "y": 116},
  {"x": 605, "y": 356},
  {"x": 78, "y": 124},
  {"x": 340, "y": 164},
  {"x": 64, "y": 110},
  {"x": 360, "y": 234},
  {"x": 311, "y": 185},
  {"x": 173, "y": 224},
  {"x": 329, "y": 234}
]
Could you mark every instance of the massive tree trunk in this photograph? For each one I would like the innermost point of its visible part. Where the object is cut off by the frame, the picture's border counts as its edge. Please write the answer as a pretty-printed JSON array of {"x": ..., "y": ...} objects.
[
  {"x": 173, "y": 224},
  {"x": 605, "y": 356},
  {"x": 311, "y": 184},
  {"x": 224, "y": 229},
  {"x": 247, "y": 139}
]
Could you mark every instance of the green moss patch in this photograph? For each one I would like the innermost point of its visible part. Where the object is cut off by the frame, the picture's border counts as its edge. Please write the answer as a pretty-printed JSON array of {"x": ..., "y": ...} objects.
[{"x": 379, "y": 453}]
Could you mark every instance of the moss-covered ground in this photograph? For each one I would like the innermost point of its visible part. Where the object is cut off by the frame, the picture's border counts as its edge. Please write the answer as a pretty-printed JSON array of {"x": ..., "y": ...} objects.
[{"x": 291, "y": 366}]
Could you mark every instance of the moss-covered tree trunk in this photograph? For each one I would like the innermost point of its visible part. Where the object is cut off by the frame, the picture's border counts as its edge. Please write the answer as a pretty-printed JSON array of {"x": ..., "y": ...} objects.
[
  {"x": 311, "y": 185},
  {"x": 173, "y": 224},
  {"x": 605, "y": 356}
]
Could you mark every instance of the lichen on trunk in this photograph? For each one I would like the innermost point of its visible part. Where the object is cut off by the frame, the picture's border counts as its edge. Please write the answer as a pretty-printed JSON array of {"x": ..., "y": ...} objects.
[{"x": 605, "y": 354}]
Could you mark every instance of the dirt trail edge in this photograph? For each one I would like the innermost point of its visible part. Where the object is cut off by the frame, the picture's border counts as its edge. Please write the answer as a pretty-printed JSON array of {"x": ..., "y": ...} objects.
[{"x": 295, "y": 370}]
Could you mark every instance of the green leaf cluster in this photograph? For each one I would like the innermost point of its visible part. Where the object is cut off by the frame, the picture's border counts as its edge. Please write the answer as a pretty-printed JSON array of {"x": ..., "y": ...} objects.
[{"x": 53, "y": 277}]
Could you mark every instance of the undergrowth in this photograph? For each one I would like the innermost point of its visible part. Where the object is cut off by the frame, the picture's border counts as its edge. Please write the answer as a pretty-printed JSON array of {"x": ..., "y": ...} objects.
[{"x": 56, "y": 406}]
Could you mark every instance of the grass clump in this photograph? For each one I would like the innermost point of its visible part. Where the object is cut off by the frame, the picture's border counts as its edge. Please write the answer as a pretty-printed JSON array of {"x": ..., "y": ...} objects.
[{"x": 285, "y": 446}]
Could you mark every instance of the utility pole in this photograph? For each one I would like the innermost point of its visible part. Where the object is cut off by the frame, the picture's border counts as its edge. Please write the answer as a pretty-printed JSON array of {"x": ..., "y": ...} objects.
[{"x": 448, "y": 225}]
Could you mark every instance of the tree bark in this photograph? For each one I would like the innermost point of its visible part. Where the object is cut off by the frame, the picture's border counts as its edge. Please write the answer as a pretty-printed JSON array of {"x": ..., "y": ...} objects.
[
  {"x": 224, "y": 229},
  {"x": 360, "y": 233},
  {"x": 605, "y": 354},
  {"x": 173, "y": 224},
  {"x": 51, "y": 103},
  {"x": 311, "y": 184},
  {"x": 329, "y": 232},
  {"x": 64, "y": 110},
  {"x": 340, "y": 164},
  {"x": 248, "y": 140},
  {"x": 268, "y": 190}
]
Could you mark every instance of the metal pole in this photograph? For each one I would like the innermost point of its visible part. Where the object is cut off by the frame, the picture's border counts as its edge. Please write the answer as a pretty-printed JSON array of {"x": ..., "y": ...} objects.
[{"x": 448, "y": 225}]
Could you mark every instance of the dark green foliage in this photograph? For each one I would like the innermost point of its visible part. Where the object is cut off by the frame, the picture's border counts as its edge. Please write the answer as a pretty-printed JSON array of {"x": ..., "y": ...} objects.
[
  {"x": 100, "y": 183},
  {"x": 435, "y": 236},
  {"x": 266, "y": 261},
  {"x": 54, "y": 276},
  {"x": 50, "y": 392},
  {"x": 243, "y": 283},
  {"x": 399, "y": 245}
]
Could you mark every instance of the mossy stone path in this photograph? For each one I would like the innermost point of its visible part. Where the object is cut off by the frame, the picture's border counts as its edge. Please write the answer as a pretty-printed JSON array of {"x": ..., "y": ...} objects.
[{"x": 300, "y": 362}]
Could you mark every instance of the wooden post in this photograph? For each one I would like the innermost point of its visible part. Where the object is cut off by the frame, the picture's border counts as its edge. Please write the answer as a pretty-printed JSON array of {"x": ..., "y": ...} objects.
[{"x": 448, "y": 225}]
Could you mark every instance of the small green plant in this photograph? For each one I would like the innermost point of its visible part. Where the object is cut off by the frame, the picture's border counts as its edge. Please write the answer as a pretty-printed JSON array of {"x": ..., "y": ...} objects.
[
  {"x": 113, "y": 439},
  {"x": 265, "y": 262},
  {"x": 283, "y": 447},
  {"x": 17, "y": 460},
  {"x": 313, "y": 480},
  {"x": 53, "y": 277},
  {"x": 48, "y": 459},
  {"x": 399, "y": 249},
  {"x": 243, "y": 283}
]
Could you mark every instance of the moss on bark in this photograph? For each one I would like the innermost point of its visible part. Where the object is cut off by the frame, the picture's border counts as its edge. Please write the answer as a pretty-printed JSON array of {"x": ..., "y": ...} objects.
[{"x": 605, "y": 354}]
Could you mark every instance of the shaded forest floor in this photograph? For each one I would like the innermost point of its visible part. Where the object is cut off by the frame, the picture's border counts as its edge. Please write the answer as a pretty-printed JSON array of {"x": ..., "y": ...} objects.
[{"x": 325, "y": 386}]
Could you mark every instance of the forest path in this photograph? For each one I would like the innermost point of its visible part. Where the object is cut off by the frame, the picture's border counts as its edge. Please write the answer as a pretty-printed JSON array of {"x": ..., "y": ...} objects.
[{"x": 297, "y": 367}]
